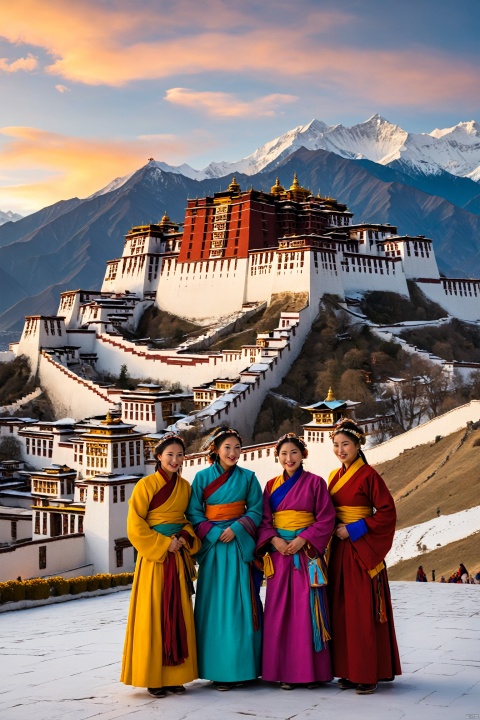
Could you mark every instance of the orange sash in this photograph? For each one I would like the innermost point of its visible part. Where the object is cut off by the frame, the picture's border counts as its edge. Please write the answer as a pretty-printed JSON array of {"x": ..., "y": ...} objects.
[{"x": 226, "y": 511}]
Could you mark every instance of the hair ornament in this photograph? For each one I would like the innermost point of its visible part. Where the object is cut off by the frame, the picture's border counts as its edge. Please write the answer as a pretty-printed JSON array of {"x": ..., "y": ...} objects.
[
  {"x": 211, "y": 445},
  {"x": 169, "y": 437},
  {"x": 291, "y": 437},
  {"x": 341, "y": 428}
]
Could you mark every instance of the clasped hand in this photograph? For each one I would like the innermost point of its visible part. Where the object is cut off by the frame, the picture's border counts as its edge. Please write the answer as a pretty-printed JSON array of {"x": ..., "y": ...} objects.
[
  {"x": 227, "y": 535},
  {"x": 341, "y": 532},
  {"x": 288, "y": 548},
  {"x": 176, "y": 544}
]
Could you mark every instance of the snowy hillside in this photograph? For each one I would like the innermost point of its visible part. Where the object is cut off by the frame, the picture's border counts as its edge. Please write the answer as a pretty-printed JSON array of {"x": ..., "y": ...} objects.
[
  {"x": 455, "y": 150},
  {"x": 412, "y": 541}
]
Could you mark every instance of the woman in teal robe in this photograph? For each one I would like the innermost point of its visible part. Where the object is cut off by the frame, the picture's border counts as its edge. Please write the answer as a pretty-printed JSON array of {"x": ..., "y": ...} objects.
[{"x": 226, "y": 508}]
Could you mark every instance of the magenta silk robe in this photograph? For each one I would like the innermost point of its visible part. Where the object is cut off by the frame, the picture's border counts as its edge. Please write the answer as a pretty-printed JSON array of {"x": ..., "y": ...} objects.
[{"x": 288, "y": 652}]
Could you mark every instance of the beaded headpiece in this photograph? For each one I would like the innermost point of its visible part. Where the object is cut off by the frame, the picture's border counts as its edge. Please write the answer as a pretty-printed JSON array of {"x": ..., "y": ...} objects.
[
  {"x": 350, "y": 431},
  {"x": 289, "y": 437},
  {"x": 211, "y": 444},
  {"x": 169, "y": 437}
]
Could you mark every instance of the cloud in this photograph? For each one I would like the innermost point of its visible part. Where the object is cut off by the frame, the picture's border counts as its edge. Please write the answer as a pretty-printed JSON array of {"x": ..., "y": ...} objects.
[
  {"x": 223, "y": 104},
  {"x": 27, "y": 64},
  {"x": 62, "y": 88},
  {"x": 304, "y": 51},
  {"x": 63, "y": 166}
]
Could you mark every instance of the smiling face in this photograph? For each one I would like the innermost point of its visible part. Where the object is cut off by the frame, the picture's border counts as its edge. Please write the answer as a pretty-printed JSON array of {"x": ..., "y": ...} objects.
[
  {"x": 229, "y": 452},
  {"x": 290, "y": 457},
  {"x": 171, "y": 458},
  {"x": 345, "y": 448}
]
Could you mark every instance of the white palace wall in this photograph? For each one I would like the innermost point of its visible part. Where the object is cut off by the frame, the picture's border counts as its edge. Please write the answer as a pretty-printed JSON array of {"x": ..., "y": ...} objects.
[
  {"x": 71, "y": 395},
  {"x": 206, "y": 289},
  {"x": 460, "y": 298},
  {"x": 63, "y": 554},
  {"x": 363, "y": 274},
  {"x": 443, "y": 425}
]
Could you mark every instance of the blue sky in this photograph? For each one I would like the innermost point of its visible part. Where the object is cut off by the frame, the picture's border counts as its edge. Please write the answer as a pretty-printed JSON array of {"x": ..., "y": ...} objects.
[{"x": 90, "y": 90}]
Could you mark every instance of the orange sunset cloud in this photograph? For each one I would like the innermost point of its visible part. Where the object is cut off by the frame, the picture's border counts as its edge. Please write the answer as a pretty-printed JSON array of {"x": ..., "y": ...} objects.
[
  {"x": 117, "y": 45},
  {"x": 67, "y": 167},
  {"x": 227, "y": 105}
]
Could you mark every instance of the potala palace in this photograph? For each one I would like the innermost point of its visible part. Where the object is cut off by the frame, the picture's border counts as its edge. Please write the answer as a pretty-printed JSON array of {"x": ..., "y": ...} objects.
[{"x": 63, "y": 507}]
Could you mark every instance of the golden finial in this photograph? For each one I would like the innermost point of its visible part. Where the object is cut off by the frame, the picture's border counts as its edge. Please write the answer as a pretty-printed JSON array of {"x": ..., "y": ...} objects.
[
  {"x": 165, "y": 219},
  {"x": 108, "y": 418},
  {"x": 295, "y": 185},
  {"x": 234, "y": 187},
  {"x": 329, "y": 397},
  {"x": 277, "y": 189}
]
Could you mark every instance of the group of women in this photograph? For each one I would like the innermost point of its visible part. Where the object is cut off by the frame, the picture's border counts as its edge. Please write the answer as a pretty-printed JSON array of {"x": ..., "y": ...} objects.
[{"x": 320, "y": 547}]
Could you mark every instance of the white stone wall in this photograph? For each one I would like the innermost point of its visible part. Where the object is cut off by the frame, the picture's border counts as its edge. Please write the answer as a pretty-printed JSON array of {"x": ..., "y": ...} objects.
[
  {"x": 104, "y": 522},
  {"x": 24, "y": 527},
  {"x": 64, "y": 554},
  {"x": 381, "y": 274},
  {"x": 70, "y": 395},
  {"x": 460, "y": 298},
  {"x": 207, "y": 289},
  {"x": 443, "y": 425}
]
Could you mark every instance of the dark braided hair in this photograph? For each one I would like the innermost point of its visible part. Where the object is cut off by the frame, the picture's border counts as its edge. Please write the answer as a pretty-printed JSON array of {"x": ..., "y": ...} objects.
[
  {"x": 354, "y": 431},
  {"x": 168, "y": 439},
  {"x": 217, "y": 439},
  {"x": 292, "y": 438}
]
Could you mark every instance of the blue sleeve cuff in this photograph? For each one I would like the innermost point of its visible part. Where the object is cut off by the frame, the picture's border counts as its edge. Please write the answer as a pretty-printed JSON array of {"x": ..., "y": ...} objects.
[{"x": 357, "y": 529}]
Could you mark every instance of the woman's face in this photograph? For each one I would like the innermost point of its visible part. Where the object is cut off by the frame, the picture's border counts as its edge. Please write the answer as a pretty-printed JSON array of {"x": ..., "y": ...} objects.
[
  {"x": 171, "y": 458},
  {"x": 290, "y": 457},
  {"x": 345, "y": 448},
  {"x": 229, "y": 452}
]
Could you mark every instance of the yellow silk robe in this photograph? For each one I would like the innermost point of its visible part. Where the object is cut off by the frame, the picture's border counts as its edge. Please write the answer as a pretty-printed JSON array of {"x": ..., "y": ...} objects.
[{"x": 142, "y": 655}]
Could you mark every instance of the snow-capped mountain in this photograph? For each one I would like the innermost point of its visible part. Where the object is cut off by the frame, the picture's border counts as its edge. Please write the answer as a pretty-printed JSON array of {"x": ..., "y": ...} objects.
[
  {"x": 9, "y": 216},
  {"x": 455, "y": 150}
]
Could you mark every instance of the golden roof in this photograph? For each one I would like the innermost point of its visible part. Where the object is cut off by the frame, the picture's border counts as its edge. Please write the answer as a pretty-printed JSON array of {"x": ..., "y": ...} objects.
[{"x": 165, "y": 219}]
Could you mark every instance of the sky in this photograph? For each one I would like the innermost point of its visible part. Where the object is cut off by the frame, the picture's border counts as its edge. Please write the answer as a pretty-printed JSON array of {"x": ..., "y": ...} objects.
[{"x": 90, "y": 89}]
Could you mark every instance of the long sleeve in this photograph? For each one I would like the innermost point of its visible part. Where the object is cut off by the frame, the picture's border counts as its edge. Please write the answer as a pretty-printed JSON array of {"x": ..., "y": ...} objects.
[
  {"x": 196, "y": 511},
  {"x": 319, "y": 532},
  {"x": 266, "y": 530},
  {"x": 245, "y": 528},
  {"x": 374, "y": 545},
  {"x": 150, "y": 544}
]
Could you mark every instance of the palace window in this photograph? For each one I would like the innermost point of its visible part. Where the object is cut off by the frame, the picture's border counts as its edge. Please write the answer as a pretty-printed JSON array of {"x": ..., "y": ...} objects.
[
  {"x": 119, "y": 556},
  {"x": 37, "y": 523},
  {"x": 64, "y": 524},
  {"x": 80, "y": 523},
  {"x": 102, "y": 493},
  {"x": 42, "y": 557},
  {"x": 122, "y": 493},
  {"x": 115, "y": 493},
  {"x": 95, "y": 493},
  {"x": 13, "y": 529},
  {"x": 44, "y": 524},
  {"x": 72, "y": 524}
]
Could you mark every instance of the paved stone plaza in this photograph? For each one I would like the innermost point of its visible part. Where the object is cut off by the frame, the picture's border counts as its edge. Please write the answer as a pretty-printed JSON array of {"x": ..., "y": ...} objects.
[{"x": 62, "y": 662}]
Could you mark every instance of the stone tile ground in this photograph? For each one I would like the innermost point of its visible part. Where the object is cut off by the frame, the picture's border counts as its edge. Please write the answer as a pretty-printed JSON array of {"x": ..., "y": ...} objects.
[{"x": 62, "y": 662}]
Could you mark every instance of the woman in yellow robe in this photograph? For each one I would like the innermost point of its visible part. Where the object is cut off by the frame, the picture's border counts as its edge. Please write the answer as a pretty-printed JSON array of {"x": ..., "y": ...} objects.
[{"x": 160, "y": 652}]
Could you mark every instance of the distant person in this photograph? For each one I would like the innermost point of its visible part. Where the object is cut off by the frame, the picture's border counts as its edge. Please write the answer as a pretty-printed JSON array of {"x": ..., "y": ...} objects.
[
  {"x": 298, "y": 520},
  {"x": 159, "y": 651},
  {"x": 421, "y": 577},
  {"x": 433, "y": 575},
  {"x": 438, "y": 512},
  {"x": 462, "y": 574},
  {"x": 477, "y": 578},
  {"x": 225, "y": 510},
  {"x": 364, "y": 647},
  {"x": 442, "y": 579}
]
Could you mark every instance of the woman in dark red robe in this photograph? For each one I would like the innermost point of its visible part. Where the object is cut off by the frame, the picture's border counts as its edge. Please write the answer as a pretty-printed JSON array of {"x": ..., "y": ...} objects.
[{"x": 364, "y": 648}]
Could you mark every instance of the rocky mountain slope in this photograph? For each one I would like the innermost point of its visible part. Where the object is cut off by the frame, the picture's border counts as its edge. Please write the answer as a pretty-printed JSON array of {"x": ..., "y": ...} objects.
[{"x": 67, "y": 245}]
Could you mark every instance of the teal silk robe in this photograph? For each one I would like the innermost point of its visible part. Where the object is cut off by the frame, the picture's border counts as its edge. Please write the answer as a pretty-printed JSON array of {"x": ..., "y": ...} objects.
[{"x": 229, "y": 649}]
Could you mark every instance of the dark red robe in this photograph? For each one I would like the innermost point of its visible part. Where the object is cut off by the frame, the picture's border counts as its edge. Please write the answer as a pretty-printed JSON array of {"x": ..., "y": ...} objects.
[{"x": 363, "y": 648}]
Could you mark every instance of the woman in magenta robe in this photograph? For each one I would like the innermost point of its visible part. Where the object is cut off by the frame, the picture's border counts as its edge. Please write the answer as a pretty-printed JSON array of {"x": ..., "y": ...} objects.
[
  {"x": 364, "y": 647},
  {"x": 298, "y": 519}
]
